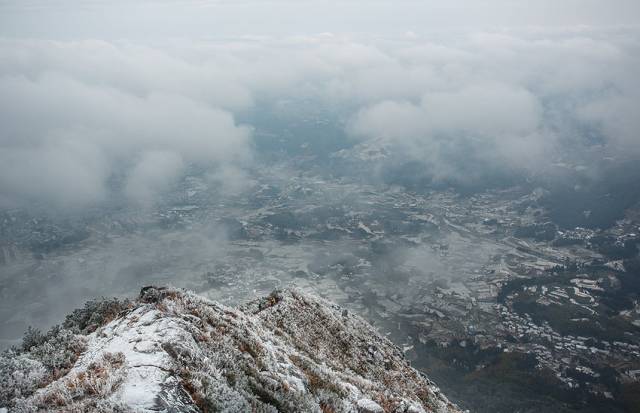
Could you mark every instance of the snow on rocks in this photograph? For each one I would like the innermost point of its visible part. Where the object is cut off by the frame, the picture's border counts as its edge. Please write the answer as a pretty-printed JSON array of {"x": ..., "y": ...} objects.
[
  {"x": 290, "y": 351},
  {"x": 369, "y": 406}
]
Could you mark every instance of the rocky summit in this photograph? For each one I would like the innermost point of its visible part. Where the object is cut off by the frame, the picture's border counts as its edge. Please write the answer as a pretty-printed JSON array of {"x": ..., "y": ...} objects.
[{"x": 174, "y": 351}]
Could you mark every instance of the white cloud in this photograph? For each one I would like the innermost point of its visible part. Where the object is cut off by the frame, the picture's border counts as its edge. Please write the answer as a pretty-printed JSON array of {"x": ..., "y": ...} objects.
[
  {"x": 504, "y": 119},
  {"x": 617, "y": 117},
  {"x": 484, "y": 109},
  {"x": 88, "y": 108},
  {"x": 67, "y": 173},
  {"x": 153, "y": 173},
  {"x": 66, "y": 128},
  {"x": 519, "y": 98}
]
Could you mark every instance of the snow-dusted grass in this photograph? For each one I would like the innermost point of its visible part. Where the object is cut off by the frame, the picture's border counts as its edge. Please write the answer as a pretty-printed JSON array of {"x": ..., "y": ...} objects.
[
  {"x": 84, "y": 390},
  {"x": 289, "y": 352}
]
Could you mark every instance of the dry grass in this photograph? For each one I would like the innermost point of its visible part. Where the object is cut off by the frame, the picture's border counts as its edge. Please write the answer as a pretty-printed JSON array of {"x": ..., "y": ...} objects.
[{"x": 99, "y": 379}]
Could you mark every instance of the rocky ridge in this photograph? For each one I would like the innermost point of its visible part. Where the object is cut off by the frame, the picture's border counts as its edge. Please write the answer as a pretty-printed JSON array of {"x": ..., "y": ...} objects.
[{"x": 171, "y": 350}]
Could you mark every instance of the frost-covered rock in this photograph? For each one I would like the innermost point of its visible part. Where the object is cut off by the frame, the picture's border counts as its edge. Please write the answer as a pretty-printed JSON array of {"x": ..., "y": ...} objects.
[
  {"x": 369, "y": 406},
  {"x": 171, "y": 350}
]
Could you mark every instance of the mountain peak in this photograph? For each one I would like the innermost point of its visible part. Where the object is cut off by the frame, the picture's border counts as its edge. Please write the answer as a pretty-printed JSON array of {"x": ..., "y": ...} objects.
[{"x": 172, "y": 350}]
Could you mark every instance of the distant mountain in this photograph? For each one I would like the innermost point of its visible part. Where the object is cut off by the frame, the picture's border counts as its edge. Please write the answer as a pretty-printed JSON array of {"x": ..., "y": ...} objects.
[{"x": 173, "y": 351}]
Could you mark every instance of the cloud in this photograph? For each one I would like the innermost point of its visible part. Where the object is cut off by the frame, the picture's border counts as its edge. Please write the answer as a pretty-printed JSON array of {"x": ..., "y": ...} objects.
[
  {"x": 67, "y": 128},
  {"x": 153, "y": 173},
  {"x": 133, "y": 68},
  {"x": 616, "y": 117},
  {"x": 77, "y": 113},
  {"x": 512, "y": 99},
  {"x": 67, "y": 173},
  {"x": 494, "y": 109},
  {"x": 501, "y": 122}
]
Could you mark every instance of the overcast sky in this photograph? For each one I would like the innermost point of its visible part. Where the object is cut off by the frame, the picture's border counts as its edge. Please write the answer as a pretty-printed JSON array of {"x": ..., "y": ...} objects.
[{"x": 141, "y": 19}]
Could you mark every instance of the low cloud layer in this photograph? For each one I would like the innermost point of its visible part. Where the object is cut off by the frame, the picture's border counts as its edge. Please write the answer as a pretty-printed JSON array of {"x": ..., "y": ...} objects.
[
  {"x": 504, "y": 118},
  {"x": 77, "y": 113}
]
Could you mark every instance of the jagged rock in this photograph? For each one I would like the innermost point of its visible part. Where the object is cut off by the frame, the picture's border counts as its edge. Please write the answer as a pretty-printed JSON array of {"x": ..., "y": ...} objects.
[{"x": 174, "y": 351}]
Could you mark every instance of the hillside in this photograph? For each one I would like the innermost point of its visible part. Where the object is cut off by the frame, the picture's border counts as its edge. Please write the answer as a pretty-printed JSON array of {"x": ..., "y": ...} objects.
[{"x": 171, "y": 350}]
